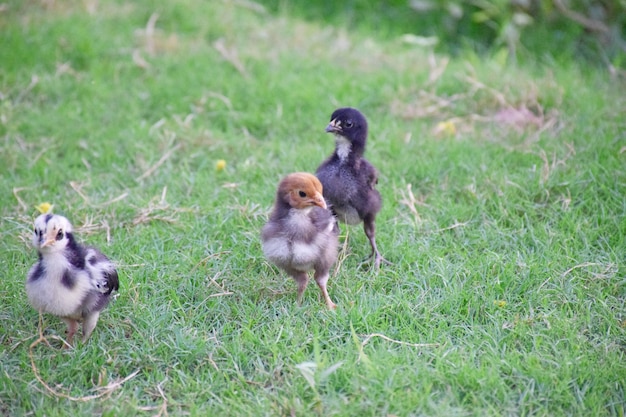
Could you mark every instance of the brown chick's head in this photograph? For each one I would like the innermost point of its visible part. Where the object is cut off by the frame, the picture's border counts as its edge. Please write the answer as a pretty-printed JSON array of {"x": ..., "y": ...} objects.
[{"x": 301, "y": 190}]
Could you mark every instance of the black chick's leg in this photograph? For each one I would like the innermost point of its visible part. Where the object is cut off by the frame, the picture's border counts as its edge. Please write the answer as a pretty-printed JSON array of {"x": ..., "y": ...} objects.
[{"x": 369, "y": 226}]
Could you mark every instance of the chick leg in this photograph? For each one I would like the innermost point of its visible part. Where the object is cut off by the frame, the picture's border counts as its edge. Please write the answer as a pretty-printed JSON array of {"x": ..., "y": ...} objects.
[
  {"x": 369, "y": 226},
  {"x": 322, "y": 278},
  {"x": 302, "y": 279},
  {"x": 72, "y": 326},
  {"x": 89, "y": 324}
]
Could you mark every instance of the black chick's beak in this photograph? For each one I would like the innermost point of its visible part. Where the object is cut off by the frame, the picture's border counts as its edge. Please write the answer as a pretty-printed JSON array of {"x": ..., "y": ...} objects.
[{"x": 333, "y": 126}]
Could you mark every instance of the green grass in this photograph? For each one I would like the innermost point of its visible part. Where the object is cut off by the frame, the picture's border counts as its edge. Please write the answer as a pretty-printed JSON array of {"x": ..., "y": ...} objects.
[{"x": 507, "y": 242}]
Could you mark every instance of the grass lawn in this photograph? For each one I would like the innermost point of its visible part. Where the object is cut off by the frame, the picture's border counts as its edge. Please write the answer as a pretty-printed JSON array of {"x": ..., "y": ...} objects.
[{"x": 504, "y": 215}]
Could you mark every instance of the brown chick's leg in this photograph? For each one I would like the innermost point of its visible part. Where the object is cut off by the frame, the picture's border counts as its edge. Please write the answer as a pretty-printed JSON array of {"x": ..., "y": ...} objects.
[
  {"x": 369, "y": 226},
  {"x": 89, "y": 324},
  {"x": 302, "y": 279},
  {"x": 322, "y": 279}
]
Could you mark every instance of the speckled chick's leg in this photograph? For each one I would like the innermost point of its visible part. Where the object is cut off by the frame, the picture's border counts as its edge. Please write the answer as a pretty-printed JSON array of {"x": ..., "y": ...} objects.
[
  {"x": 89, "y": 324},
  {"x": 322, "y": 278},
  {"x": 72, "y": 326}
]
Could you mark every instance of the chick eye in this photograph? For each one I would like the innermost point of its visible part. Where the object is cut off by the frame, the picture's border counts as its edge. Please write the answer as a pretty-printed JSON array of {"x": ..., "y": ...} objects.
[
  {"x": 349, "y": 124},
  {"x": 302, "y": 194},
  {"x": 60, "y": 235}
]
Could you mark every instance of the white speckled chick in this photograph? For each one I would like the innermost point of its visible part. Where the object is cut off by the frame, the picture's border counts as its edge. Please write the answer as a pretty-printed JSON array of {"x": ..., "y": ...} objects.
[
  {"x": 302, "y": 234},
  {"x": 71, "y": 281}
]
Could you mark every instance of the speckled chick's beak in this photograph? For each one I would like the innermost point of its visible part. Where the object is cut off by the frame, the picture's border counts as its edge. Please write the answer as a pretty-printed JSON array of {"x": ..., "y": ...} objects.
[{"x": 50, "y": 238}]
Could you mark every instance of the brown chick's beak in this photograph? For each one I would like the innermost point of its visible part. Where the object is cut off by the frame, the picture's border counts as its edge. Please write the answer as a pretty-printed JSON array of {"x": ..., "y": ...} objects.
[
  {"x": 318, "y": 200},
  {"x": 333, "y": 127}
]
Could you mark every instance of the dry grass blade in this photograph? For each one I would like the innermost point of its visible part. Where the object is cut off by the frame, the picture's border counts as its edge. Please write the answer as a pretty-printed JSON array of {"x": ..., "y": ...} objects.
[
  {"x": 163, "y": 408},
  {"x": 409, "y": 200},
  {"x": 343, "y": 253},
  {"x": 78, "y": 187},
  {"x": 399, "y": 342},
  {"x": 149, "y": 33},
  {"x": 231, "y": 56},
  {"x": 205, "y": 259},
  {"x": 604, "y": 274},
  {"x": 16, "y": 190},
  {"x": 149, "y": 213},
  {"x": 363, "y": 356},
  {"x": 453, "y": 226},
  {"x": 160, "y": 162}
]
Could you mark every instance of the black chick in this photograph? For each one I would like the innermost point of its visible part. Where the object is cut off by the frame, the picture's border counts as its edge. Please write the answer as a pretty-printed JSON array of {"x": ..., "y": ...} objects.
[
  {"x": 302, "y": 234},
  {"x": 349, "y": 180}
]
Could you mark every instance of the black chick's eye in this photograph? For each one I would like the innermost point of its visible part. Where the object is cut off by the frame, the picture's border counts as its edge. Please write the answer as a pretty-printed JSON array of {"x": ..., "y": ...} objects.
[
  {"x": 302, "y": 194},
  {"x": 349, "y": 124},
  {"x": 60, "y": 235}
]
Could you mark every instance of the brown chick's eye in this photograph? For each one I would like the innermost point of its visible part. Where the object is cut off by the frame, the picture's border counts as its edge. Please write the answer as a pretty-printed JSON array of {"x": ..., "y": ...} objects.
[
  {"x": 60, "y": 235},
  {"x": 302, "y": 194}
]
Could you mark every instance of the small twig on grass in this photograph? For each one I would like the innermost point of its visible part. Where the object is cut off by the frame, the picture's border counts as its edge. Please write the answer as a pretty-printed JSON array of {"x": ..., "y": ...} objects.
[
  {"x": 343, "y": 253},
  {"x": 212, "y": 362},
  {"x": 399, "y": 342},
  {"x": 454, "y": 226},
  {"x": 436, "y": 68},
  {"x": 230, "y": 55},
  {"x": 149, "y": 33},
  {"x": 160, "y": 162},
  {"x": 587, "y": 23},
  {"x": 221, "y": 98},
  {"x": 17, "y": 197},
  {"x": 114, "y": 200},
  {"x": 411, "y": 202},
  {"x": 78, "y": 187},
  {"x": 163, "y": 408},
  {"x": 106, "y": 390},
  {"x": 42, "y": 152},
  {"x": 204, "y": 260},
  {"x": 382, "y": 336},
  {"x": 583, "y": 265},
  {"x": 220, "y": 294},
  {"x": 34, "y": 80},
  {"x": 147, "y": 214},
  {"x": 500, "y": 98}
]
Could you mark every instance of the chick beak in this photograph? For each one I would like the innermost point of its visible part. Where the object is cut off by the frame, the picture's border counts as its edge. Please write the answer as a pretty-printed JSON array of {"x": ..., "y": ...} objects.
[
  {"x": 50, "y": 238},
  {"x": 318, "y": 200},
  {"x": 333, "y": 126}
]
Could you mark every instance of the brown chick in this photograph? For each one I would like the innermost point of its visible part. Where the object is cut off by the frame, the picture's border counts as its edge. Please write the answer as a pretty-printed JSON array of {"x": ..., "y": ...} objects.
[{"x": 302, "y": 234}]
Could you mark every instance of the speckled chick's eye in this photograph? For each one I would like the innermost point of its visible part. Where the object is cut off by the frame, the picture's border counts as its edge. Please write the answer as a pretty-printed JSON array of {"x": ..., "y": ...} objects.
[{"x": 60, "y": 235}]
